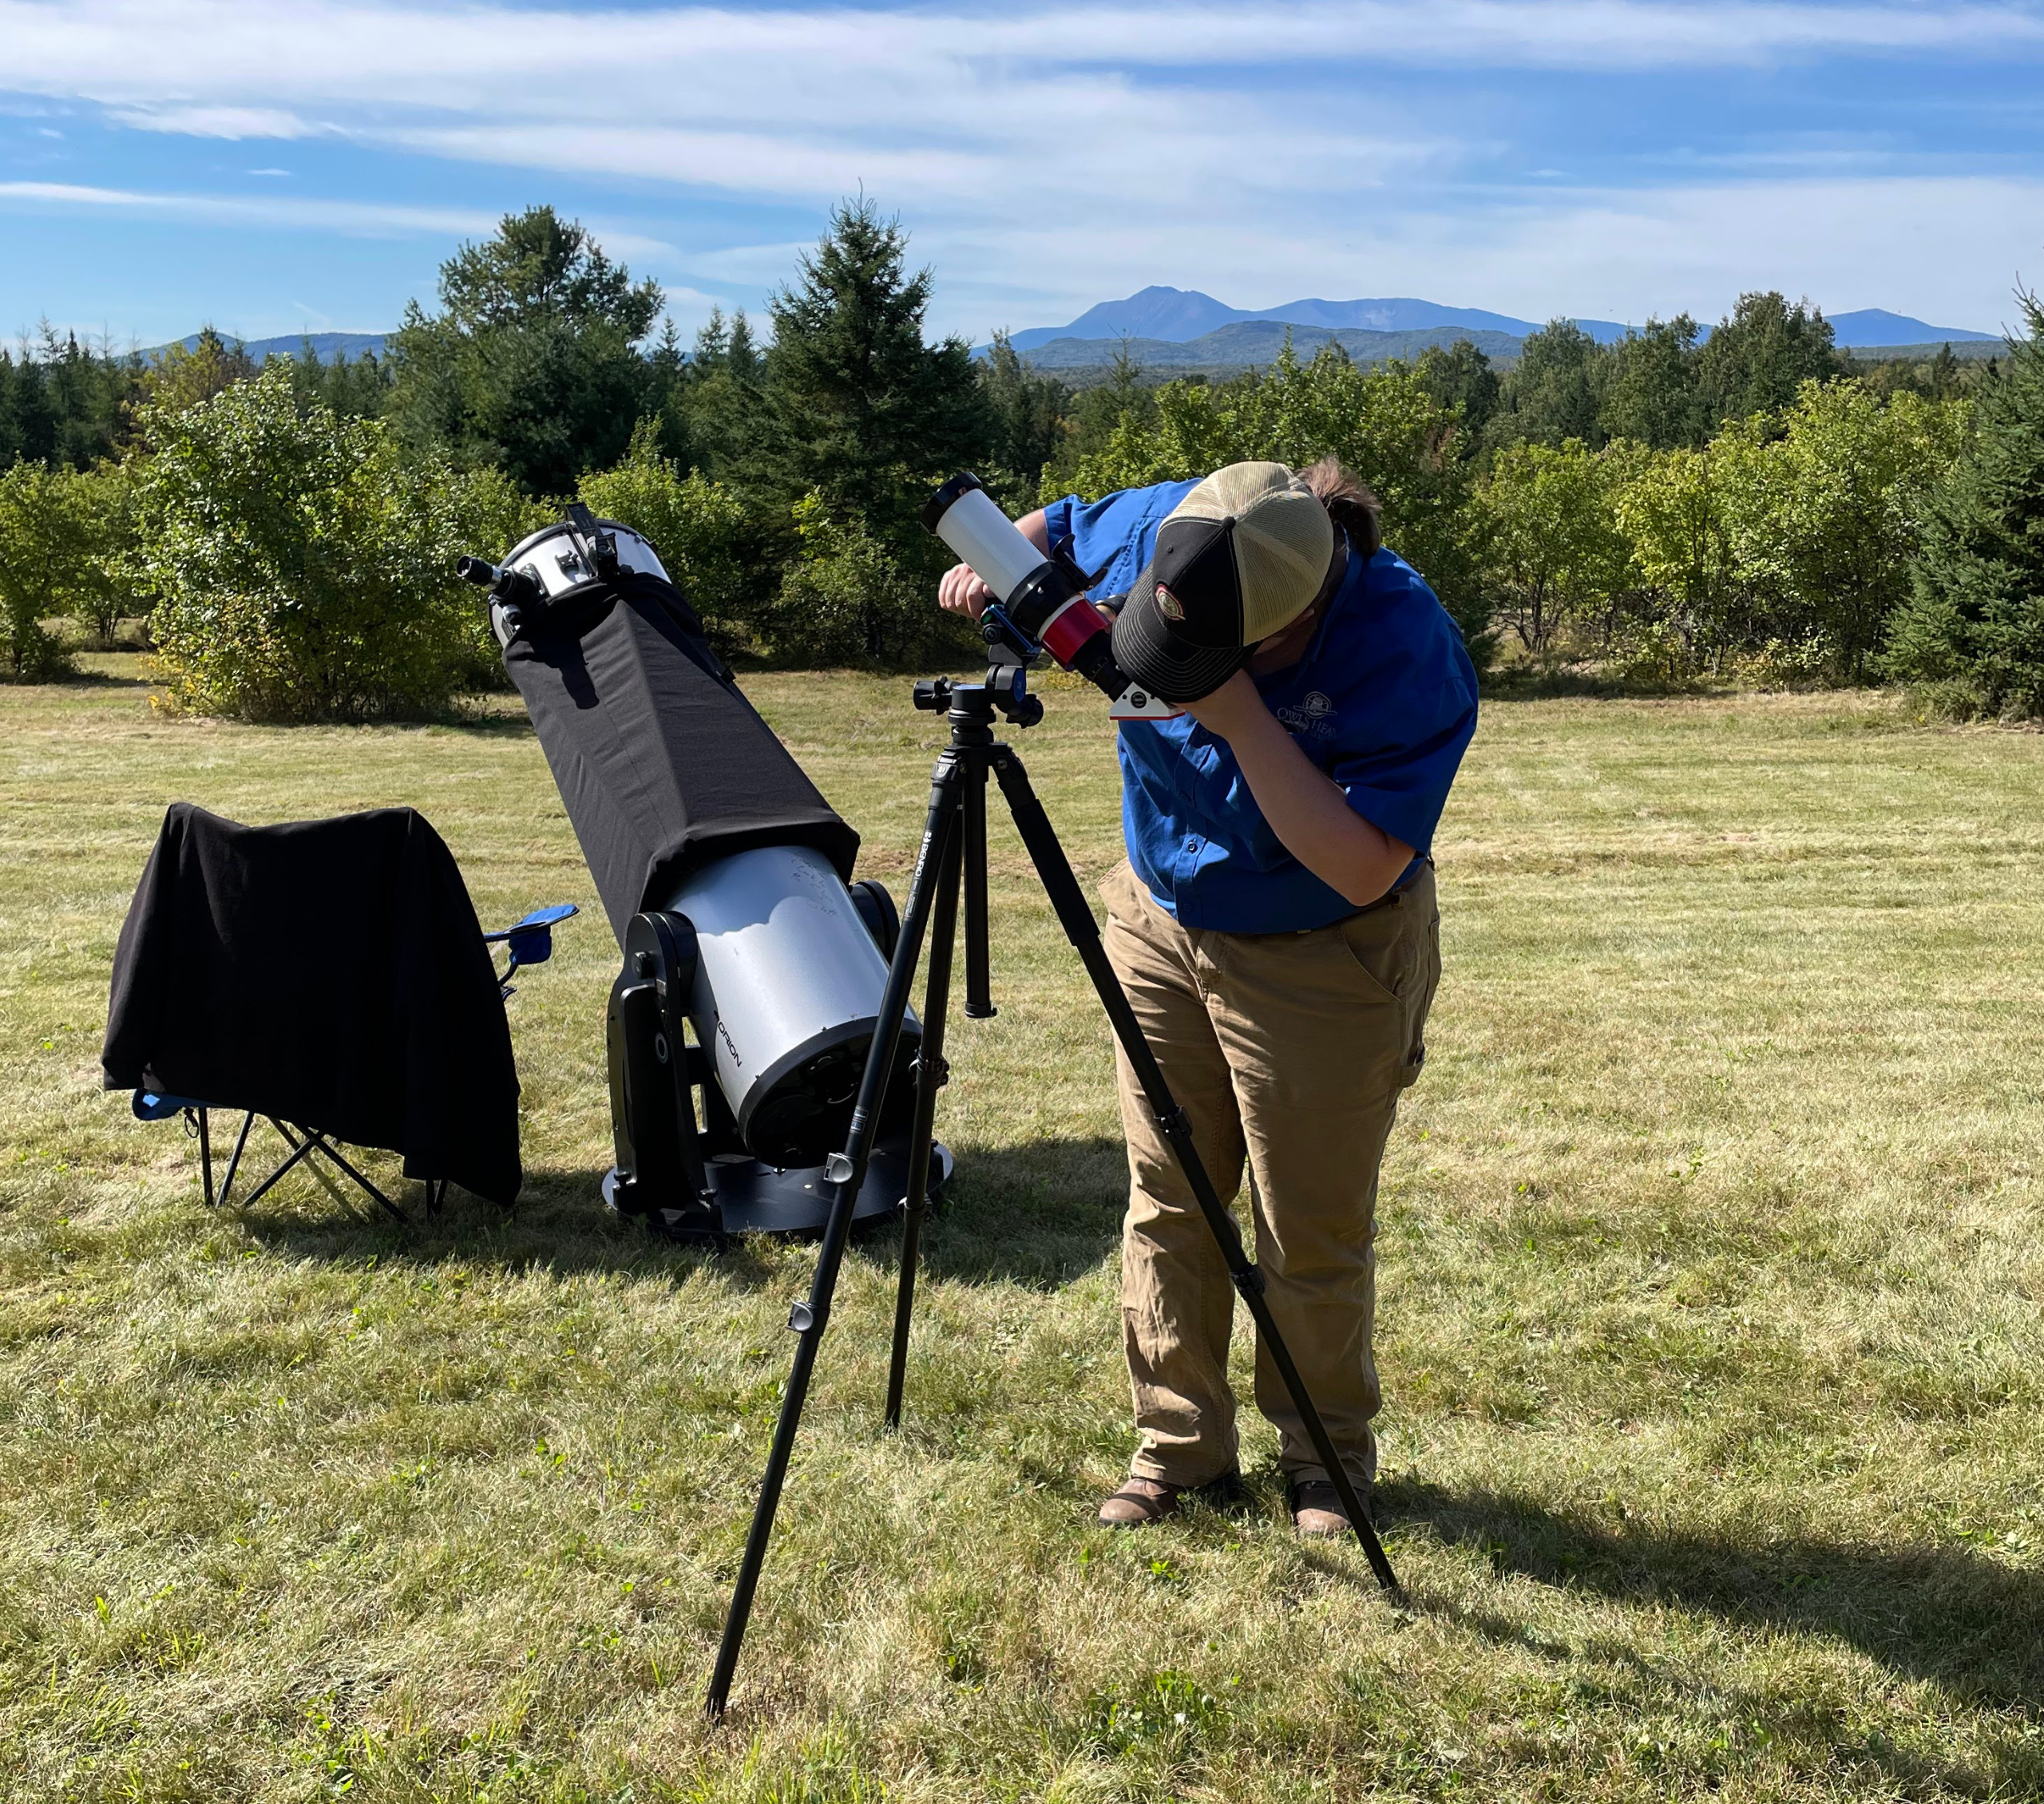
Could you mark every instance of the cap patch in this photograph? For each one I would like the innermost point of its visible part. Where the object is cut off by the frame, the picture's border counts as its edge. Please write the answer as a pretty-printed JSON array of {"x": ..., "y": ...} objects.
[{"x": 1169, "y": 605}]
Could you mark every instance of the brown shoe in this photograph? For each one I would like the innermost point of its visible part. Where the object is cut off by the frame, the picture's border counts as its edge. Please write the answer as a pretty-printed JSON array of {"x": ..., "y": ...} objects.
[
  {"x": 1317, "y": 1508},
  {"x": 1139, "y": 1502}
]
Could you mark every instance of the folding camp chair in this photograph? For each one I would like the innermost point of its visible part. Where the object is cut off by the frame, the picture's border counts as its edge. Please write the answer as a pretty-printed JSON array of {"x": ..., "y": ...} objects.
[{"x": 530, "y": 941}]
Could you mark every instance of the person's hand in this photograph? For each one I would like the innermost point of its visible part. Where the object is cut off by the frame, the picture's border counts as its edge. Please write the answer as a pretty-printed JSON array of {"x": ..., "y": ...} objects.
[
  {"x": 1231, "y": 708},
  {"x": 962, "y": 592}
]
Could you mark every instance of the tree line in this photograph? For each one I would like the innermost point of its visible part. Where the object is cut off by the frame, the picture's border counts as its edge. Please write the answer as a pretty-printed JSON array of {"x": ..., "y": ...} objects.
[{"x": 1674, "y": 505}]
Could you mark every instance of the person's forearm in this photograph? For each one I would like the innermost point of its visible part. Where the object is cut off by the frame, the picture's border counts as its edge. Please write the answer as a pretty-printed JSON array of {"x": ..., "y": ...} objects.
[
  {"x": 1309, "y": 812},
  {"x": 1036, "y": 528}
]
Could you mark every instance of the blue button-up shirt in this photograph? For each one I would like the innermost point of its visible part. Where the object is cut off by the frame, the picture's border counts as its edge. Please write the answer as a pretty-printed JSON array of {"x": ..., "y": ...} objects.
[{"x": 1384, "y": 700}]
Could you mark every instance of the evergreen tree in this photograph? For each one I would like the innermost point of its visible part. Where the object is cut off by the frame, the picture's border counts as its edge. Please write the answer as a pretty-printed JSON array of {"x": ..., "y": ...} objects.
[
  {"x": 1461, "y": 376},
  {"x": 1553, "y": 395},
  {"x": 1973, "y": 630},
  {"x": 666, "y": 399},
  {"x": 1027, "y": 413},
  {"x": 35, "y": 426},
  {"x": 721, "y": 397},
  {"x": 531, "y": 362},
  {"x": 1653, "y": 397},
  {"x": 15, "y": 380},
  {"x": 357, "y": 388},
  {"x": 857, "y": 408},
  {"x": 1755, "y": 361},
  {"x": 181, "y": 378}
]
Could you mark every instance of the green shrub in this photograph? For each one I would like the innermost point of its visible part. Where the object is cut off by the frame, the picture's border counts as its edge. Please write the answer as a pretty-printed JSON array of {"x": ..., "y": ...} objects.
[
  {"x": 846, "y": 601},
  {"x": 487, "y": 513},
  {"x": 1384, "y": 424},
  {"x": 302, "y": 570},
  {"x": 39, "y": 569},
  {"x": 697, "y": 526},
  {"x": 1555, "y": 555}
]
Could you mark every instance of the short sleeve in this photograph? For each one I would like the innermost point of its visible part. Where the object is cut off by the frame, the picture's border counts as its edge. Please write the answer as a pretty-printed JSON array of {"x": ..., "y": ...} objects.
[
  {"x": 1402, "y": 786},
  {"x": 1111, "y": 539},
  {"x": 1057, "y": 519},
  {"x": 1411, "y": 711}
]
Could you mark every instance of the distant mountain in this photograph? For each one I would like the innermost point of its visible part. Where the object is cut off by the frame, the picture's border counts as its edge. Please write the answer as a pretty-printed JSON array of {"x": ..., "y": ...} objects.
[
  {"x": 1178, "y": 315},
  {"x": 1173, "y": 315},
  {"x": 326, "y": 346},
  {"x": 1245, "y": 343},
  {"x": 1877, "y": 326},
  {"x": 1966, "y": 350},
  {"x": 1182, "y": 316}
]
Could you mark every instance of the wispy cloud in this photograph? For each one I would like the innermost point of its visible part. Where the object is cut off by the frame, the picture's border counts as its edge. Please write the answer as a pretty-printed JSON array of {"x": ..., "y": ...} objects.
[
  {"x": 374, "y": 218},
  {"x": 454, "y": 57},
  {"x": 214, "y": 121}
]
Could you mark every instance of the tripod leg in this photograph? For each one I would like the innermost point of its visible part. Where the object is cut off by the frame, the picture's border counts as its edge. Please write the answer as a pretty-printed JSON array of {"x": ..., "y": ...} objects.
[
  {"x": 930, "y": 1076},
  {"x": 979, "y": 976},
  {"x": 1076, "y": 914},
  {"x": 847, "y": 1171}
]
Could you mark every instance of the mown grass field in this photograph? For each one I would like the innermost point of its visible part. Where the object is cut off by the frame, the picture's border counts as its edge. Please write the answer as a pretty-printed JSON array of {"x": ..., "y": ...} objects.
[{"x": 1710, "y": 1332}]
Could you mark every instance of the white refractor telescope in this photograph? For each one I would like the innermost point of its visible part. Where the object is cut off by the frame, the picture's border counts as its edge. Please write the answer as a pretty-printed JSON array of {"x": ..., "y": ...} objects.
[{"x": 1040, "y": 598}]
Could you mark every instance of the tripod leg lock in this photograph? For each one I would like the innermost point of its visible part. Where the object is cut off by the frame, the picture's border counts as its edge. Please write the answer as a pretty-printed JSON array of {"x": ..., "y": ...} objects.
[
  {"x": 1171, "y": 1122},
  {"x": 803, "y": 1318},
  {"x": 1249, "y": 1281},
  {"x": 938, "y": 1067}
]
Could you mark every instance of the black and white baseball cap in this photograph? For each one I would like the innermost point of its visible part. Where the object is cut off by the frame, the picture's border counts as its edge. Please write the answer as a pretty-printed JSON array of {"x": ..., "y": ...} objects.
[{"x": 1240, "y": 558}]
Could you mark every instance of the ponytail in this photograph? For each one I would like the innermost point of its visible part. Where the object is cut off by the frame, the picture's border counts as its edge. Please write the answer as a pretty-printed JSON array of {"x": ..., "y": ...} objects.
[{"x": 1354, "y": 510}]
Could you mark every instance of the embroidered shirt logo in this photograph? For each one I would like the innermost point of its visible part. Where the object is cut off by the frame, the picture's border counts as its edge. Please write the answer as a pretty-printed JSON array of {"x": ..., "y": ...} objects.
[
  {"x": 1169, "y": 605},
  {"x": 1314, "y": 714}
]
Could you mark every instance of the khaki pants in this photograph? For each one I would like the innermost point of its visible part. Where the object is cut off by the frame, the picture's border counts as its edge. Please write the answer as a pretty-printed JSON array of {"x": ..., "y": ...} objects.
[{"x": 1287, "y": 1052}]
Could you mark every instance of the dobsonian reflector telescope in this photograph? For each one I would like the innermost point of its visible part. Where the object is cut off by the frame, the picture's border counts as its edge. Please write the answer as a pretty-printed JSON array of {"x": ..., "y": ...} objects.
[{"x": 725, "y": 876}]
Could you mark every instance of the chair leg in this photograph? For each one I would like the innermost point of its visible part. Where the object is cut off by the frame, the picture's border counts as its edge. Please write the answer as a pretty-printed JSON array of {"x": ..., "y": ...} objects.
[
  {"x": 290, "y": 1137},
  {"x": 206, "y": 1155},
  {"x": 316, "y": 1143},
  {"x": 234, "y": 1162},
  {"x": 256, "y": 1194}
]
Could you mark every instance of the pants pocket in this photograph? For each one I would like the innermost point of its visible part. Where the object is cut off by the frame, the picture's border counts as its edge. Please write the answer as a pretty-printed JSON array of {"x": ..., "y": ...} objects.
[
  {"x": 1422, "y": 1001},
  {"x": 1397, "y": 950}
]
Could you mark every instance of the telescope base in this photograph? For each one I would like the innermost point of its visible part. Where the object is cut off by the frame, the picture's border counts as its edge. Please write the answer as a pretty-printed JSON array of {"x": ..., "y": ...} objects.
[{"x": 753, "y": 1198}]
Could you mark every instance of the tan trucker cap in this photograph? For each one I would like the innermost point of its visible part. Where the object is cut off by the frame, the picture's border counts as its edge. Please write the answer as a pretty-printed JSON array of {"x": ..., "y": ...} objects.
[{"x": 1240, "y": 558}]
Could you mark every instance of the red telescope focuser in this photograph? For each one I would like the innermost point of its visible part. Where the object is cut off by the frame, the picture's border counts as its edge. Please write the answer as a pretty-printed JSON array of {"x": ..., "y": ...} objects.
[{"x": 1042, "y": 596}]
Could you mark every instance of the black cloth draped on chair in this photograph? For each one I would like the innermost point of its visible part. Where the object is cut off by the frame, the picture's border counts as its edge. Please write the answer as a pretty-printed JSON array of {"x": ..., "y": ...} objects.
[{"x": 330, "y": 973}]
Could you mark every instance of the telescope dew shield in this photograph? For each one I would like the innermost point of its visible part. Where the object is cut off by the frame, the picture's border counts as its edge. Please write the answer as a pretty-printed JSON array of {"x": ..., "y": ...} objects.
[
  {"x": 661, "y": 762},
  {"x": 969, "y": 521},
  {"x": 788, "y": 979}
]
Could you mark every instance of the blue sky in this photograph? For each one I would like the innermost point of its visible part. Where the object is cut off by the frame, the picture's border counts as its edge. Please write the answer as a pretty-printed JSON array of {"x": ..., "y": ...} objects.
[{"x": 292, "y": 166}]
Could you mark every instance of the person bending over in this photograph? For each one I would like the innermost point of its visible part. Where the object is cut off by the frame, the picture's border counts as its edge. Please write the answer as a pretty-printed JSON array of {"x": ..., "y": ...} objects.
[{"x": 1275, "y": 927}]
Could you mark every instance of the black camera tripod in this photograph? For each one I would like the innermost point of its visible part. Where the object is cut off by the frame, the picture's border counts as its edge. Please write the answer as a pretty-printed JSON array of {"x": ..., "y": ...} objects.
[{"x": 953, "y": 856}]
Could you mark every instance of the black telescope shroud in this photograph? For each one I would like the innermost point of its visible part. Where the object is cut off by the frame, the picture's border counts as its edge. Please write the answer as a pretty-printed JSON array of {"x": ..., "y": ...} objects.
[{"x": 663, "y": 763}]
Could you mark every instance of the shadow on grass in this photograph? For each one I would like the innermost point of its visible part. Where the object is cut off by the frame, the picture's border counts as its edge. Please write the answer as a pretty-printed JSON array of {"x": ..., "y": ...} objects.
[
  {"x": 1526, "y": 685},
  {"x": 109, "y": 679},
  {"x": 1957, "y": 1618},
  {"x": 1039, "y": 1215}
]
